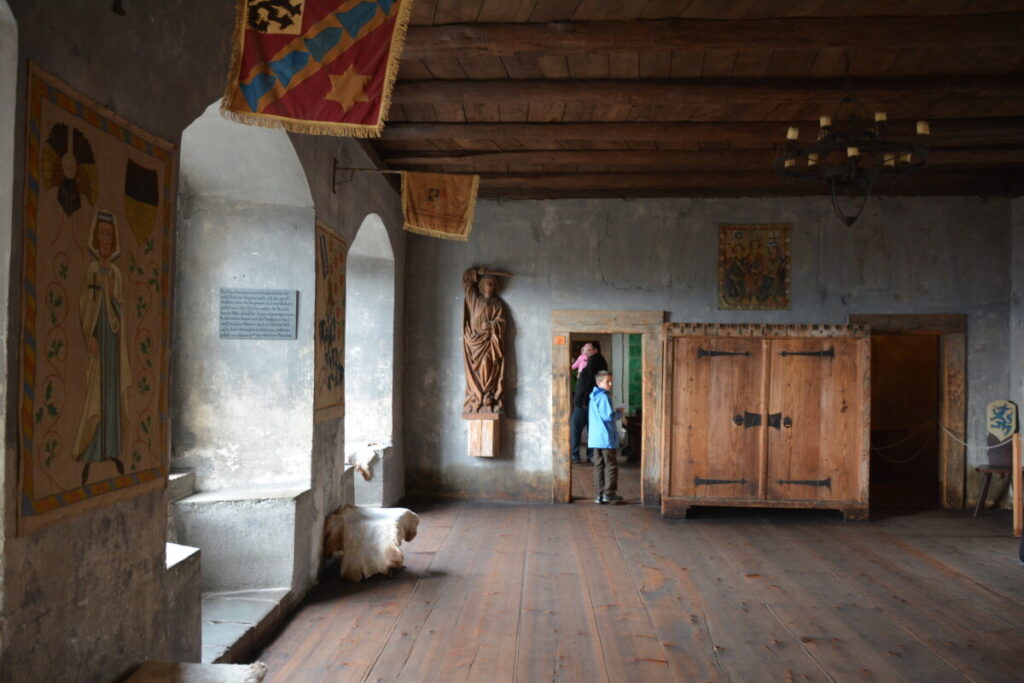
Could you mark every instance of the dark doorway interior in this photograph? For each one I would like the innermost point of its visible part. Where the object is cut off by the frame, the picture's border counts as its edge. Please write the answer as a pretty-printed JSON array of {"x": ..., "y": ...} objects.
[{"x": 904, "y": 422}]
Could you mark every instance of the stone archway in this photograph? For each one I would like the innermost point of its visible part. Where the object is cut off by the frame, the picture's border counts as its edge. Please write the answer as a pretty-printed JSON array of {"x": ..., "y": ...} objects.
[
  {"x": 369, "y": 359},
  {"x": 242, "y": 406}
]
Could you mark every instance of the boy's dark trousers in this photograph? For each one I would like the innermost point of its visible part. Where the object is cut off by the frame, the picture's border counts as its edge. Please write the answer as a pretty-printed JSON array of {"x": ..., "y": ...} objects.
[{"x": 606, "y": 472}]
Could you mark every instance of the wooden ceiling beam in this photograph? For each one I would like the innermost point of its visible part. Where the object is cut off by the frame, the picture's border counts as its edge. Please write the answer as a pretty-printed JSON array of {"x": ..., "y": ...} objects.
[
  {"x": 927, "y": 97},
  {"x": 602, "y": 37},
  {"x": 747, "y": 135},
  {"x": 736, "y": 184},
  {"x": 657, "y": 160}
]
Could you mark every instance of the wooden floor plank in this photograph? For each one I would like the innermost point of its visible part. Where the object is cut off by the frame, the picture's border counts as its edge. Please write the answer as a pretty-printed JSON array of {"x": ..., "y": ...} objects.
[
  {"x": 325, "y": 641},
  {"x": 824, "y": 613},
  {"x": 980, "y": 548},
  {"x": 422, "y": 638},
  {"x": 335, "y": 610},
  {"x": 609, "y": 593},
  {"x": 673, "y": 604},
  {"x": 746, "y": 639},
  {"x": 630, "y": 645},
  {"x": 558, "y": 637},
  {"x": 934, "y": 610},
  {"x": 481, "y": 646}
]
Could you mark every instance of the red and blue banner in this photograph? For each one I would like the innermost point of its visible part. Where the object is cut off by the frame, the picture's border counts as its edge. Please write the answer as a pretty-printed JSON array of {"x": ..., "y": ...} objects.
[{"x": 316, "y": 66}]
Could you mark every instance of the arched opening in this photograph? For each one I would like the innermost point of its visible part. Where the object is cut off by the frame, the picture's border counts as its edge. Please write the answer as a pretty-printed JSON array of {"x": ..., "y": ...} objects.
[
  {"x": 242, "y": 363},
  {"x": 242, "y": 406},
  {"x": 369, "y": 362}
]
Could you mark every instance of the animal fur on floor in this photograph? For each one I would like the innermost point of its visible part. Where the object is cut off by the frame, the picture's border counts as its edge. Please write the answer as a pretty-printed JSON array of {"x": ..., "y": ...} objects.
[
  {"x": 369, "y": 539},
  {"x": 171, "y": 672}
]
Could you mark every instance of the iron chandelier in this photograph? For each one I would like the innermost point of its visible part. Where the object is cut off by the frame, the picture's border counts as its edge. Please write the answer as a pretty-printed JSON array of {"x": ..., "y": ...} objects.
[{"x": 851, "y": 155}]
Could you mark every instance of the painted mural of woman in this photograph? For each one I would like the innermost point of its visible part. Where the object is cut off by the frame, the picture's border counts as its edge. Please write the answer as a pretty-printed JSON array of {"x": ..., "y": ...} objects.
[{"x": 107, "y": 374}]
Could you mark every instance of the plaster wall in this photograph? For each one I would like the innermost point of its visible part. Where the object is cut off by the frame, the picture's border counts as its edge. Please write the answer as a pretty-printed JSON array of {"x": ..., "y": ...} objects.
[
  {"x": 905, "y": 255},
  {"x": 369, "y": 356},
  {"x": 104, "y": 567},
  {"x": 159, "y": 66},
  {"x": 344, "y": 206},
  {"x": 242, "y": 407}
]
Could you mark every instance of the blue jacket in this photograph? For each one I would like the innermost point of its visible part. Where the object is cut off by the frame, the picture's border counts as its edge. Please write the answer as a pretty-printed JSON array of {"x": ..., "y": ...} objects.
[{"x": 601, "y": 432}]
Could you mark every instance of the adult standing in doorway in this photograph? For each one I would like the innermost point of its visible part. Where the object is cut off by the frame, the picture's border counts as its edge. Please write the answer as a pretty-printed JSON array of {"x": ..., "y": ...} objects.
[{"x": 581, "y": 397}]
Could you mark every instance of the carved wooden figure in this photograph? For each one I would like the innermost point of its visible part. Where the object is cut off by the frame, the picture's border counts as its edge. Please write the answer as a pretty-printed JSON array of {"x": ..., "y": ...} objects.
[{"x": 483, "y": 335}]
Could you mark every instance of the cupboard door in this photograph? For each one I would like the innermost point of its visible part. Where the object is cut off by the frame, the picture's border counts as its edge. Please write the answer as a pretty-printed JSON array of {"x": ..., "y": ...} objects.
[
  {"x": 717, "y": 412},
  {"x": 815, "y": 413}
]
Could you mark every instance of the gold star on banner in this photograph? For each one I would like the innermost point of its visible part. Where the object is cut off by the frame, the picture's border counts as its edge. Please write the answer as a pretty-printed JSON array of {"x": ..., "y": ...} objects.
[{"x": 347, "y": 89}]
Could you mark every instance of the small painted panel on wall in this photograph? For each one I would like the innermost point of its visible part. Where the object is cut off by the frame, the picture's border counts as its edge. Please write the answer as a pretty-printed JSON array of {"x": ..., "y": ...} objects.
[
  {"x": 754, "y": 267},
  {"x": 258, "y": 313},
  {"x": 97, "y": 263},
  {"x": 329, "y": 352},
  {"x": 1001, "y": 416}
]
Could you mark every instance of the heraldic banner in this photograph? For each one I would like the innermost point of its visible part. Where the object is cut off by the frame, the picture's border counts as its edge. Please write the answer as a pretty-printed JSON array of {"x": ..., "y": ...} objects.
[
  {"x": 315, "y": 66},
  {"x": 329, "y": 312},
  {"x": 439, "y": 204},
  {"x": 95, "y": 313}
]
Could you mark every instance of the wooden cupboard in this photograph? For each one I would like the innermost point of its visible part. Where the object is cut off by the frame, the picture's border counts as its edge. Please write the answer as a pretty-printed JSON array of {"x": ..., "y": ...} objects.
[{"x": 766, "y": 416}]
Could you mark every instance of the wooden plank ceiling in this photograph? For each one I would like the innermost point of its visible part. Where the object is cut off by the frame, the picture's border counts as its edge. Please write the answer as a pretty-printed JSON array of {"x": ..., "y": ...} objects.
[{"x": 668, "y": 98}]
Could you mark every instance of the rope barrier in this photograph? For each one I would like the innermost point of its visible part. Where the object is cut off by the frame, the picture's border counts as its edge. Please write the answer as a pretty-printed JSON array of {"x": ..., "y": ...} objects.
[
  {"x": 904, "y": 440},
  {"x": 955, "y": 438},
  {"x": 877, "y": 450},
  {"x": 920, "y": 450}
]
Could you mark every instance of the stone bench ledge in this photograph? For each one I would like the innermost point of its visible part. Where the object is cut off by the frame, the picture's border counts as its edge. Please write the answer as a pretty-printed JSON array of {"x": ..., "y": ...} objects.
[{"x": 228, "y": 495}]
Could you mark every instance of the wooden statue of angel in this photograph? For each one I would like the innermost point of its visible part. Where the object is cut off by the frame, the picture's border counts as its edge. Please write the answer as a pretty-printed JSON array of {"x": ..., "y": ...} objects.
[{"x": 483, "y": 336}]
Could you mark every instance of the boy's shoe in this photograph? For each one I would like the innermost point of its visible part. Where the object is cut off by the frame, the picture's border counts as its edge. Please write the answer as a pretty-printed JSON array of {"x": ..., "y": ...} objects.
[
  {"x": 600, "y": 500},
  {"x": 612, "y": 498}
]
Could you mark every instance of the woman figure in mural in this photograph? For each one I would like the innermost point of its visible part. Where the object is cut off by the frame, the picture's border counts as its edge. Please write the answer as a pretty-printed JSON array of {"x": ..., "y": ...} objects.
[
  {"x": 483, "y": 333},
  {"x": 107, "y": 374},
  {"x": 753, "y": 267},
  {"x": 773, "y": 282},
  {"x": 734, "y": 275}
]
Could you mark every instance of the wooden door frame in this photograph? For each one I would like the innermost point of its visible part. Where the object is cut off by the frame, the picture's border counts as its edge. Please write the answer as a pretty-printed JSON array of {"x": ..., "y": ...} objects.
[
  {"x": 951, "y": 329},
  {"x": 564, "y": 324}
]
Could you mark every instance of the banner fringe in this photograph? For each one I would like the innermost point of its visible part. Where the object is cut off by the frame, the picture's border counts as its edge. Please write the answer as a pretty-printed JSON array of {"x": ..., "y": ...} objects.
[
  {"x": 314, "y": 127},
  {"x": 470, "y": 214}
]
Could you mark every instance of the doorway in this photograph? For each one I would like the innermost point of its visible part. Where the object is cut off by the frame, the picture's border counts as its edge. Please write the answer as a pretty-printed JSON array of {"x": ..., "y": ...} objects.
[
  {"x": 623, "y": 353},
  {"x": 904, "y": 422},
  {"x": 948, "y": 334},
  {"x": 571, "y": 324}
]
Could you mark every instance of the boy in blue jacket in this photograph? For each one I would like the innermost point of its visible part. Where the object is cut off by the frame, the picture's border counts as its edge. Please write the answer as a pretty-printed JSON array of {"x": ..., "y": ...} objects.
[{"x": 604, "y": 439}]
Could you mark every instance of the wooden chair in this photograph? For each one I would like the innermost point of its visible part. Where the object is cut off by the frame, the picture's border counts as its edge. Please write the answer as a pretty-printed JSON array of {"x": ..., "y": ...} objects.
[{"x": 1000, "y": 461}]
